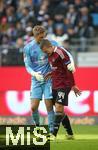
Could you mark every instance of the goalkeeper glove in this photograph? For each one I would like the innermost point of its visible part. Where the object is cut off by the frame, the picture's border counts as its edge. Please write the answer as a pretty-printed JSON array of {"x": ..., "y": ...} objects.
[
  {"x": 71, "y": 67},
  {"x": 38, "y": 76}
]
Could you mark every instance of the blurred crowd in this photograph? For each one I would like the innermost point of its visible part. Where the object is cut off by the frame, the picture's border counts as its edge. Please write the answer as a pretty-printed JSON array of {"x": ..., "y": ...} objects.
[{"x": 63, "y": 19}]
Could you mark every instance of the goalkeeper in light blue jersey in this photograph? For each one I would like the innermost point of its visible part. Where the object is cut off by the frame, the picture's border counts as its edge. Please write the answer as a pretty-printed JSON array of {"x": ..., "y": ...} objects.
[{"x": 37, "y": 65}]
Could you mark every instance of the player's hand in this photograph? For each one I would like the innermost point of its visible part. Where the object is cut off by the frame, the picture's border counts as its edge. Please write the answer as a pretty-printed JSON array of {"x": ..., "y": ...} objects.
[
  {"x": 38, "y": 76},
  {"x": 76, "y": 90},
  {"x": 71, "y": 67},
  {"x": 48, "y": 76}
]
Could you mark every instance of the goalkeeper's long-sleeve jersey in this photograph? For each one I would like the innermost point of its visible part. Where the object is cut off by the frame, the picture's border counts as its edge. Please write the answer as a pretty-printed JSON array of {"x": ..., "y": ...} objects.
[{"x": 35, "y": 59}]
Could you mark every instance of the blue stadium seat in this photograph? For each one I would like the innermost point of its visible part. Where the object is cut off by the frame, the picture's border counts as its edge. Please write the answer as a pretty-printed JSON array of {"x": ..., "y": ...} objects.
[{"x": 95, "y": 19}]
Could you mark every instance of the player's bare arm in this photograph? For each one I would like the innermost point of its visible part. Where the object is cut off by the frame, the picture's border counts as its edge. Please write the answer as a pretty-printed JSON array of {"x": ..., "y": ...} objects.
[{"x": 76, "y": 90}]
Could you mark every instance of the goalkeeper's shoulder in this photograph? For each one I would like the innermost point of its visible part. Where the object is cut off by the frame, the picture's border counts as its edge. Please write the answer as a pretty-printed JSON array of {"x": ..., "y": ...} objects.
[{"x": 27, "y": 47}]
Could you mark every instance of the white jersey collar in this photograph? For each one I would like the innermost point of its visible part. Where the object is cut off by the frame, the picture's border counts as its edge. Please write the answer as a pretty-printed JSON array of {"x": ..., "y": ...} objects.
[{"x": 55, "y": 49}]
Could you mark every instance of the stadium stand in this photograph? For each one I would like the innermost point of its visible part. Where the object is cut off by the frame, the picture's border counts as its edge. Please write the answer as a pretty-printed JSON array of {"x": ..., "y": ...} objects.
[{"x": 73, "y": 23}]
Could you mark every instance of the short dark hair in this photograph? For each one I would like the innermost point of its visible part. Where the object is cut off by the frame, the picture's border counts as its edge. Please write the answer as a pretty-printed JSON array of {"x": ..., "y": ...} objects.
[
  {"x": 38, "y": 30},
  {"x": 45, "y": 43}
]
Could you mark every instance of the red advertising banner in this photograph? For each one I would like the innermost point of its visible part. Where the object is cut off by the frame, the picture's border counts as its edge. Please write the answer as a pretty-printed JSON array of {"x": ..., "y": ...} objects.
[{"x": 15, "y": 98}]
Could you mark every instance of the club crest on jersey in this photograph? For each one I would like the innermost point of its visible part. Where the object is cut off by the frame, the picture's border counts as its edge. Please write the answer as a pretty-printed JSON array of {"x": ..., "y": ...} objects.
[{"x": 53, "y": 60}]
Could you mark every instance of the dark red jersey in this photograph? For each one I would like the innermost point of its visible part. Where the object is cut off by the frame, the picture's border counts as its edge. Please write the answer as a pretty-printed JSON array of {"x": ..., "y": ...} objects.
[{"x": 61, "y": 76}]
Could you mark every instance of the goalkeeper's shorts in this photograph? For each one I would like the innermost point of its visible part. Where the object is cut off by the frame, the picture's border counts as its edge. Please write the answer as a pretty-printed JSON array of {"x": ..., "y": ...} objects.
[{"x": 38, "y": 90}]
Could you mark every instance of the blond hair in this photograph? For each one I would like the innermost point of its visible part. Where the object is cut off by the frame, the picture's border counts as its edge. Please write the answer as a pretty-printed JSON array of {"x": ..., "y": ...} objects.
[{"x": 38, "y": 30}]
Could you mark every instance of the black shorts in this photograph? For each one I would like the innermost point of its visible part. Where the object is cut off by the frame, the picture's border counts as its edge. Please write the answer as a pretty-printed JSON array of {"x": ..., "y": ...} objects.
[{"x": 61, "y": 96}]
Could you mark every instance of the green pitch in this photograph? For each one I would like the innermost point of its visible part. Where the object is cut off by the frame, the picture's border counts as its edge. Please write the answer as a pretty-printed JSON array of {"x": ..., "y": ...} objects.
[{"x": 86, "y": 138}]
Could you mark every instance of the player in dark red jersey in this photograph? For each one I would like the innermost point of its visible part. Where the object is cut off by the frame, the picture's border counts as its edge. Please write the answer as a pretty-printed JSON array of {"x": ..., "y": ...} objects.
[{"x": 62, "y": 80}]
